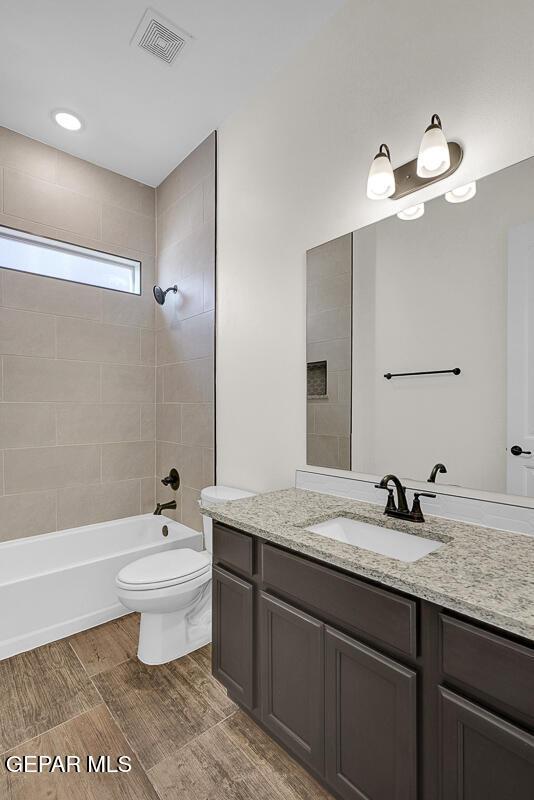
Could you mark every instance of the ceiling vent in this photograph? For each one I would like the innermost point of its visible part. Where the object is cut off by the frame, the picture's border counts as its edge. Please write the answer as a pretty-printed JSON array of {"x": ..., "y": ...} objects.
[{"x": 160, "y": 37}]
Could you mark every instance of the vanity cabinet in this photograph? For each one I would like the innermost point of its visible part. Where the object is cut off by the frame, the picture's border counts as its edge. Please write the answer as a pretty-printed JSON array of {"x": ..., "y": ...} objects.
[
  {"x": 380, "y": 695},
  {"x": 233, "y": 660}
]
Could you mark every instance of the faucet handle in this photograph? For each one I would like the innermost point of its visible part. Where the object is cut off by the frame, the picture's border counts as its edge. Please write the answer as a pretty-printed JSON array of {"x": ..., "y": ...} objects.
[
  {"x": 416, "y": 513},
  {"x": 416, "y": 495}
]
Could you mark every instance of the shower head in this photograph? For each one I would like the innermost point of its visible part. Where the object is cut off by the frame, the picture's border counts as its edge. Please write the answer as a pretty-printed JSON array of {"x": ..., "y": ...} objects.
[{"x": 159, "y": 294}]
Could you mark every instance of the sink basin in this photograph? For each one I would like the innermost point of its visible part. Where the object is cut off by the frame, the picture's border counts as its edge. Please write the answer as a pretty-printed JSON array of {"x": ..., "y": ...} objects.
[{"x": 386, "y": 542}]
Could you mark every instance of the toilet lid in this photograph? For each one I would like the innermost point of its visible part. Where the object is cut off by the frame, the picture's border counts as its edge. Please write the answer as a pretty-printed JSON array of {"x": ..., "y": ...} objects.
[{"x": 164, "y": 569}]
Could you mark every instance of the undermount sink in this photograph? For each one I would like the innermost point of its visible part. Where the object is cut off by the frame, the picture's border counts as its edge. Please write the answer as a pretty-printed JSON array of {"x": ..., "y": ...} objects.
[{"x": 386, "y": 542}]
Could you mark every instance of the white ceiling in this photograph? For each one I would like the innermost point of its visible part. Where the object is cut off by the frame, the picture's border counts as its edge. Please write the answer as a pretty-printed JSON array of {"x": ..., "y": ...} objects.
[{"x": 142, "y": 116}]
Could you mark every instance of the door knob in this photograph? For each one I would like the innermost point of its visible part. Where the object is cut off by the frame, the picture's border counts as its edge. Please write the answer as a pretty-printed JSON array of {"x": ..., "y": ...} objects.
[{"x": 516, "y": 450}]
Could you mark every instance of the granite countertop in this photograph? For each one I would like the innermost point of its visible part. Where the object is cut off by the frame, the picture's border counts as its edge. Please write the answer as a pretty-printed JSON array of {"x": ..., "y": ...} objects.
[{"x": 480, "y": 572}]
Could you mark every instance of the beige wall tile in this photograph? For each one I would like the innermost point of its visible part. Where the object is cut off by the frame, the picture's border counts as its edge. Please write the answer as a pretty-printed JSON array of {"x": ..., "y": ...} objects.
[
  {"x": 85, "y": 505},
  {"x": 148, "y": 495},
  {"x": 186, "y": 459},
  {"x": 329, "y": 259},
  {"x": 127, "y": 229},
  {"x": 208, "y": 188},
  {"x": 323, "y": 451},
  {"x": 50, "y": 467},
  {"x": 197, "y": 424},
  {"x": 189, "y": 300},
  {"x": 83, "y": 340},
  {"x": 27, "y": 155},
  {"x": 169, "y": 422},
  {"x": 87, "y": 423},
  {"x": 27, "y": 424},
  {"x": 328, "y": 293},
  {"x": 188, "y": 174},
  {"x": 25, "y": 333},
  {"x": 344, "y": 453},
  {"x": 148, "y": 347},
  {"x": 180, "y": 219},
  {"x": 34, "y": 199},
  {"x": 148, "y": 422},
  {"x": 191, "y": 515},
  {"x": 104, "y": 185},
  {"x": 189, "y": 382},
  {"x": 332, "y": 420},
  {"x": 187, "y": 339},
  {"x": 129, "y": 309},
  {"x": 27, "y": 514},
  {"x": 127, "y": 460},
  {"x": 127, "y": 384},
  {"x": 51, "y": 296},
  {"x": 333, "y": 324},
  {"x": 337, "y": 353},
  {"x": 196, "y": 253},
  {"x": 42, "y": 379},
  {"x": 208, "y": 467}
]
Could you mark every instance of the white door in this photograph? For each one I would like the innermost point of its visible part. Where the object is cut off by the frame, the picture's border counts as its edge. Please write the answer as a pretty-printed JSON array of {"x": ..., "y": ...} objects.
[{"x": 520, "y": 381}]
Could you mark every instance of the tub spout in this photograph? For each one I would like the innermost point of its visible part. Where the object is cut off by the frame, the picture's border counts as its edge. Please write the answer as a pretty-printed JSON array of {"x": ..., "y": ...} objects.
[{"x": 162, "y": 506}]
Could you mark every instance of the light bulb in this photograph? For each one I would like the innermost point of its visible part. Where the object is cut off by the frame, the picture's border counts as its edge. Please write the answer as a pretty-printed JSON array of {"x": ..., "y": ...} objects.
[
  {"x": 462, "y": 193},
  {"x": 381, "y": 180},
  {"x": 67, "y": 120},
  {"x": 413, "y": 212},
  {"x": 434, "y": 158}
]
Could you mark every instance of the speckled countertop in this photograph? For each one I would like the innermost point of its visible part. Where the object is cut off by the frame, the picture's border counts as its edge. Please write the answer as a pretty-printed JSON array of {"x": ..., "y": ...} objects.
[{"x": 481, "y": 572}]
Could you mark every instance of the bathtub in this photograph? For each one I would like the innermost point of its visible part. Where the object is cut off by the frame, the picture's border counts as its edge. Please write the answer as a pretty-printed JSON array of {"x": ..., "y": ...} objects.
[{"x": 57, "y": 584}]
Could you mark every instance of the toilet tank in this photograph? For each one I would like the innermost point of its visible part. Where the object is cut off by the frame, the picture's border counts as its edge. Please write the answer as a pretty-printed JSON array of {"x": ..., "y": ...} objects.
[{"x": 214, "y": 495}]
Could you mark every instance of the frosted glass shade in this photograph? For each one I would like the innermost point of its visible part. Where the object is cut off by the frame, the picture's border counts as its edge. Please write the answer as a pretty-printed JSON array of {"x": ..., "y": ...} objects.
[
  {"x": 434, "y": 157},
  {"x": 413, "y": 212},
  {"x": 462, "y": 193},
  {"x": 381, "y": 180}
]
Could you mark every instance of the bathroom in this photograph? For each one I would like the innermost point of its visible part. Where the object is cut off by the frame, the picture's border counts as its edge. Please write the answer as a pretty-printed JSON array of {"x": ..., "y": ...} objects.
[{"x": 266, "y": 509}]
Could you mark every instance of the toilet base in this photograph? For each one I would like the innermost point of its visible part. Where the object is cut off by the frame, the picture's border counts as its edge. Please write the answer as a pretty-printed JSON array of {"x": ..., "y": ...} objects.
[{"x": 165, "y": 637}]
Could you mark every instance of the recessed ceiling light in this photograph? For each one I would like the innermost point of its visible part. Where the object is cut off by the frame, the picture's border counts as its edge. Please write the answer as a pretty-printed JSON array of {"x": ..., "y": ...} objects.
[
  {"x": 413, "y": 212},
  {"x": 462, "y": 193},
  {"x": 67, "y": 120}
]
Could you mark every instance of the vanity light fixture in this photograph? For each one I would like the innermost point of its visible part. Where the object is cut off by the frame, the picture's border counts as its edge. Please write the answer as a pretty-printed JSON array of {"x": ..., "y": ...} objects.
[
  {"x": 381, "y": 180},
  {"x": 434, "y": 157},
  {"x": 462, "y": 193},
  {"x": 66, "y": 119},
  {"x": 413, "y": 212}
]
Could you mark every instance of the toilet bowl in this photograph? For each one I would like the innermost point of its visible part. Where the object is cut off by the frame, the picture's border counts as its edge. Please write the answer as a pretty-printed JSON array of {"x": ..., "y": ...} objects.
[{"x": 172, "y": 592}]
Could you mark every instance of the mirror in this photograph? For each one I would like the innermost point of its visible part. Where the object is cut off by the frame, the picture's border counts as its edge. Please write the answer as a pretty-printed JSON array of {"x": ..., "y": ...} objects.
[{"x": 441, "y": 342}]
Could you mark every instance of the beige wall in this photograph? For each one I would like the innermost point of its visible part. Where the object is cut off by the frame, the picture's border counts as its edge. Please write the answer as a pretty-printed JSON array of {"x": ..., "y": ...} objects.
[
  {"x": 328, "y": 338},
  {"x": 186, "y": 330},
  {"x": 78, "y": 390}
]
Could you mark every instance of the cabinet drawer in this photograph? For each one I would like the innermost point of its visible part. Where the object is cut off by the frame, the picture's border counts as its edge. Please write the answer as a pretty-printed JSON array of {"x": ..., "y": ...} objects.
[
  {"x": 376, "y": 614},
  {"x": 233, "y": 548},
  {"x": 491, "y": 666}
]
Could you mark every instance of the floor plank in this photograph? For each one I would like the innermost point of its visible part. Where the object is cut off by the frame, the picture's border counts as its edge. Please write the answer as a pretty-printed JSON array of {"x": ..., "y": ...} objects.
[
  {"x": 107, "y": 645},
  {"x": 158, "y": 708},
  {"x": 211, "y": 767},
  {"x": 271, "y": 760},
  {"x": 202, "y": 682},
  {"x": 93, "y": 733},
  {"x": 39, "y": 690}
]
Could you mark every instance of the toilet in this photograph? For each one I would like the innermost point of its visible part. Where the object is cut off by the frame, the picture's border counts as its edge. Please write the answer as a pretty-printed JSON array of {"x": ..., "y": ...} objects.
[{"x": 172, "y": 591}]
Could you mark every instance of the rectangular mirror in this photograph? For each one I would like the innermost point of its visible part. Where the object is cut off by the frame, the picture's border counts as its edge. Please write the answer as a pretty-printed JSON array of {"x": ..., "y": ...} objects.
[{"x": 442, "y": 342}]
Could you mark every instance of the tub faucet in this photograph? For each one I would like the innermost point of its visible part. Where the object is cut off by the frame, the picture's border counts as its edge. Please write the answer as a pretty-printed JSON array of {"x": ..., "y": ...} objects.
[
  {"x": 435, "y": 469},
  {"x": 162, "y": 506},
  {"x": 400, "y": 508}
]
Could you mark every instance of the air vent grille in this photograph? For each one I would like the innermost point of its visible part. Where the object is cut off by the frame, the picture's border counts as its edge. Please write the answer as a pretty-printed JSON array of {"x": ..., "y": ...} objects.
[
  {"x": 162, "y": 42},
  {"x": 160, "y": 37}
]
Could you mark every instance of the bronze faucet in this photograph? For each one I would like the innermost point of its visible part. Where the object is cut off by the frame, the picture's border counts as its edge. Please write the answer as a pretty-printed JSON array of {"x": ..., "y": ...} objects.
[
  {"x": 435, "y": 469},
  {"x": 162, "y": 506},
  {"x": 400, "y": 508}
]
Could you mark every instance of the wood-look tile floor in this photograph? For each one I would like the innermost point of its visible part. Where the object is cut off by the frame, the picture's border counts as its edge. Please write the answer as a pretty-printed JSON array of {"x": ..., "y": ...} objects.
[{"x": 89, "y": 695}]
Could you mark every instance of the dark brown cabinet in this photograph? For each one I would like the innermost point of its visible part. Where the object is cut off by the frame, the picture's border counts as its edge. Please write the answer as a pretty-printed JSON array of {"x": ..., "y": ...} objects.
[
  {"x": 370, "y": 708},
  {"x": 233, "y": 606},
  {"x": 483, "y": 757},
  {"x": 292, "y": 679},
  {"x": 368, "y": 687}
]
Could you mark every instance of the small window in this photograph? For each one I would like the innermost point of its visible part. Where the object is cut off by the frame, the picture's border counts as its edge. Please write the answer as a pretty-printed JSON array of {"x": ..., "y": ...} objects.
[{"x": 25, "y": 252}]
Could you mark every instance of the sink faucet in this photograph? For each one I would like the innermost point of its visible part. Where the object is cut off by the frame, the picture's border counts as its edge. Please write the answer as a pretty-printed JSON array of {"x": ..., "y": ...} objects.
[
  {"x": 162, "y": 506},
  {"x": 435, "y": 469},
  {"x": 400, "y": 508}
]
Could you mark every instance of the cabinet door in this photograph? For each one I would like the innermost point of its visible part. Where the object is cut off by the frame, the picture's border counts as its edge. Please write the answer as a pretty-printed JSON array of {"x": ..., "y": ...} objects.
[
  {"x": 232, "y": 635},
  {"x": 292, "y": 679},
  {"x": 482, "y": 756},
  {"x": 370, "y": 723}
]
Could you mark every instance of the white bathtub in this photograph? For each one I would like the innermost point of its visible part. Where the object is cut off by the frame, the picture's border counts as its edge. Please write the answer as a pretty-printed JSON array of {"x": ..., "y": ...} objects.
[{"x": 57, "y": 584}]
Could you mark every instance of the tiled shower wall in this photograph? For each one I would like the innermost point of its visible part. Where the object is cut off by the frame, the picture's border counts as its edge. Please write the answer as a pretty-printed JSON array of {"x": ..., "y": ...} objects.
[
  {"x": 186, "y": 330},
  {"x": 77, "y": 406}
]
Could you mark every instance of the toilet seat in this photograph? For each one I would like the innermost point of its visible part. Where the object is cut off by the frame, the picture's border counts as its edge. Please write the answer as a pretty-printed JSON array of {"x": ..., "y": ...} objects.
[{"x": 162, "y": 570}]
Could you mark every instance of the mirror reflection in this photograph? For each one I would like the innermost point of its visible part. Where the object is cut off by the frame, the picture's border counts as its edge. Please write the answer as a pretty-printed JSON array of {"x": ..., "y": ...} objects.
[{"x": 440, "y": 345}]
